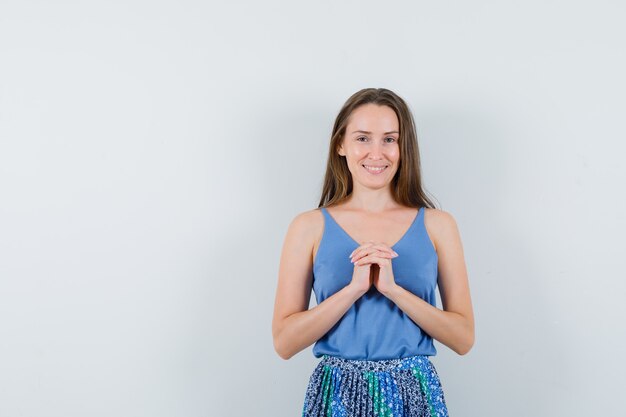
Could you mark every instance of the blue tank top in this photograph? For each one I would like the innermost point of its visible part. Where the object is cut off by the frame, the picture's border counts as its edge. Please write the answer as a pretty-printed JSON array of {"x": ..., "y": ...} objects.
[{"x": 375, "y": 328}]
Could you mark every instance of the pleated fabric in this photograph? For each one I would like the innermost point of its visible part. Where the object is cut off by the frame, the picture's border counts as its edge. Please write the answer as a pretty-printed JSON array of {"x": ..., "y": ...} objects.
[{"x": 403, "y": 387}]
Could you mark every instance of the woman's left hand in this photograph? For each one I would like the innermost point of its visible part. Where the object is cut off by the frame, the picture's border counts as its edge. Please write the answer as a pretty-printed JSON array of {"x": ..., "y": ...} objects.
[{"x": 379, "y": 256}]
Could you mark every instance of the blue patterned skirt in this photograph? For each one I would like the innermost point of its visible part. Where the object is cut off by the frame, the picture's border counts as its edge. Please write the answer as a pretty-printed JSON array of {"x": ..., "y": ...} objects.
[{"x": 403, "y": 387}]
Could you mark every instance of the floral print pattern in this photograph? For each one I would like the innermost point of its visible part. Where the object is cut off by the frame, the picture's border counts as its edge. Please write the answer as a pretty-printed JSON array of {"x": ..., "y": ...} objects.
[{"x": 402, "y": 387}]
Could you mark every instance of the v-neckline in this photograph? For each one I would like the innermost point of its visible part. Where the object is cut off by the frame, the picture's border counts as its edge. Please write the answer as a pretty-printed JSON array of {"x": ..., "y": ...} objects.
[{"x": 358, "y": 244}]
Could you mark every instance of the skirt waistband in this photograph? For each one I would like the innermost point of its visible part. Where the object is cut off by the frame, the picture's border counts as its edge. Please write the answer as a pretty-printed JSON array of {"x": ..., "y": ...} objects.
[{"x": 376, "y": 365}]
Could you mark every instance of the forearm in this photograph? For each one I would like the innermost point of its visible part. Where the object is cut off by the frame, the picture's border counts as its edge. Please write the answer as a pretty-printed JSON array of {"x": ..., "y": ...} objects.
[
  {"x": 302, "y": 329},
  {"x": 450, "y": 328}
]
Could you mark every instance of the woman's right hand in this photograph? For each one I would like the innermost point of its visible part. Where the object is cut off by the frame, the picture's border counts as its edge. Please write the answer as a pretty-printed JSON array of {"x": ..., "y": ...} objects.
[
  {"x": 363, "y": 275},
  {"x": 362, "y": 278}
]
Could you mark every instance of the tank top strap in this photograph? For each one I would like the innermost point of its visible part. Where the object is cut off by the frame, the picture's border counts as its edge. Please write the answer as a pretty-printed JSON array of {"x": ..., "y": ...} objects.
[
  {"x": 328, "y": 219},
  {"x": 330, "y": 226}
]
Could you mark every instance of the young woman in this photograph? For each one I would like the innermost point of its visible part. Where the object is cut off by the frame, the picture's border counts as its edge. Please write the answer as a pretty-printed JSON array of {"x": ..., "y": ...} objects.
[{"x": 373, "y": 252}]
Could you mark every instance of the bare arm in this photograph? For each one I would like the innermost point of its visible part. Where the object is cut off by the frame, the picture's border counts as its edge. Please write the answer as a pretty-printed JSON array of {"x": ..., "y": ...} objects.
[
  {"x": 294, "y": 326},
  {"x": 454, "y": 325}
]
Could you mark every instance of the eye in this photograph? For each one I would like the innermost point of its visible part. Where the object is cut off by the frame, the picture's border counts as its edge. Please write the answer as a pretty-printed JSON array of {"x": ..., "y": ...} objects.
[
  {"x": 392, "y": 138},
  {"x": 361, "y": 137}
]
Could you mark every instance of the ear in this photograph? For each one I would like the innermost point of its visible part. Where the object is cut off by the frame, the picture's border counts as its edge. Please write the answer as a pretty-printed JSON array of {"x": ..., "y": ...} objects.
[{"x": 340, "y": 151}]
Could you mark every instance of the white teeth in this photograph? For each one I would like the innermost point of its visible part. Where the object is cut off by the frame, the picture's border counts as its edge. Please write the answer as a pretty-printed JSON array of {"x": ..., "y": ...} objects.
[{"x": 375, "y": 169}]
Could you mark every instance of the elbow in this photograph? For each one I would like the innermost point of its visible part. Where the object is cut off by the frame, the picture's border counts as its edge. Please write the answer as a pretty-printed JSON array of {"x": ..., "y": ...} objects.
[
  {"x": 280, "y": 349},
  {"x": 462, "y": 350},
  {"x": 466, "y": 345},
  {"x": 283, "y": 354}
]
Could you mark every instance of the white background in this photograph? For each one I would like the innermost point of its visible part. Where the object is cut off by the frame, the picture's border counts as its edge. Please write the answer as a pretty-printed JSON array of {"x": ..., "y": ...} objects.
[{"x": 152, "y": 155}]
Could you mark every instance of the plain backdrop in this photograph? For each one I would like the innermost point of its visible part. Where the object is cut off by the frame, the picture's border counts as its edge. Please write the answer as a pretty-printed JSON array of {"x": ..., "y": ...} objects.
[{"x": 153, "y": 153}]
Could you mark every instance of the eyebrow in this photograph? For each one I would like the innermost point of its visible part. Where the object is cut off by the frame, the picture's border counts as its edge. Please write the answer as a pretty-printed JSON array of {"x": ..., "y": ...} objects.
[{"x": 365, "y": 131}]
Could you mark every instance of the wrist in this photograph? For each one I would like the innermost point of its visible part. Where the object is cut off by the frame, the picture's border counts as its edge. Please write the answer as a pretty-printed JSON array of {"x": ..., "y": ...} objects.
[
  {"x": 355, "y": 290},
  {"x": 393, "y": 292}
]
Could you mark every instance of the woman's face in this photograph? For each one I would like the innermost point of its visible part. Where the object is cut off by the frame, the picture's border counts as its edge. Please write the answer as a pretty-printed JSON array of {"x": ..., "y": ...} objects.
[{"x": 371, "y": 143}]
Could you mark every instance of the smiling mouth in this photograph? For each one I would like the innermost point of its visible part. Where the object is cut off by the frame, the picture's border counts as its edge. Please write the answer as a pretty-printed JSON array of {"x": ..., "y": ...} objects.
[{"x": 374, "y": 170}]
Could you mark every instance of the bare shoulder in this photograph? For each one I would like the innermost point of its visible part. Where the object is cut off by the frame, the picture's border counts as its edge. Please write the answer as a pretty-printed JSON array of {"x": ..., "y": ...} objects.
[
  {"x": 307, "y": 228},
  {"x": 440, "y": 225},
  {"x": 308, "y": 223}
]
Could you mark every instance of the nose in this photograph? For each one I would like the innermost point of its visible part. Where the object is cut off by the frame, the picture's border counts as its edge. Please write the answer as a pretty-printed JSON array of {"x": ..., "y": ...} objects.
[{"x": 376, "y": 150}]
